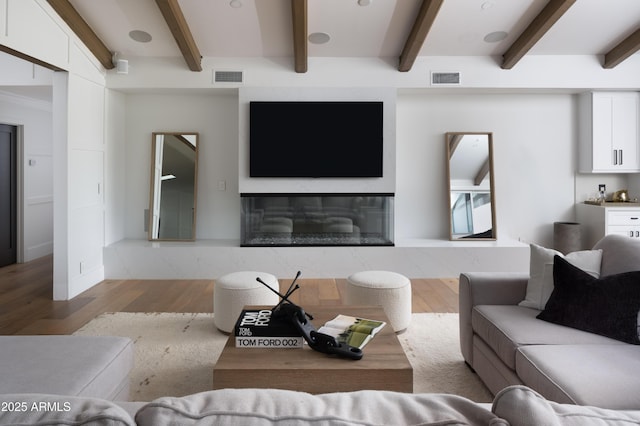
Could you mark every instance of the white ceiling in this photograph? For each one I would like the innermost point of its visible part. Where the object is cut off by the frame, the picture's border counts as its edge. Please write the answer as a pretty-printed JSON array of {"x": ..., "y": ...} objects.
[{"x": 263, "y": 28}]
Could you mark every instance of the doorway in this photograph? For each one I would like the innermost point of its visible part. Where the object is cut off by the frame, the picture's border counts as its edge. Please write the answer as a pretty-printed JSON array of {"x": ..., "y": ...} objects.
[{"x": 8, "y": 195}]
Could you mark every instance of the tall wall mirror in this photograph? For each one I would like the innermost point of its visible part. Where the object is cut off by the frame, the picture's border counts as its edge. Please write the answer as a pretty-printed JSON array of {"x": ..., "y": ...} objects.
[
  {"x": 471, "y": 189},
  {"x": 174, "y": 171}
]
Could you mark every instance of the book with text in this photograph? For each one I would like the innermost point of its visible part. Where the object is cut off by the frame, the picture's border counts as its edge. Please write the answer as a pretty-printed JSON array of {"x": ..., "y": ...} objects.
[
  {"x": 259, "y": 329},
  {"x": 353, "y": 331}
]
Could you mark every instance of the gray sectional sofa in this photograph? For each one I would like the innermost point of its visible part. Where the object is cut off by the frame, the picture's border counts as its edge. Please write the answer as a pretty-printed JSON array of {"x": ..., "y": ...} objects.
[
  {"x": 83, "y": 366},
  {"x": 514, "y": 406},
  {"x": 506, "y": 344},
  {"x": 81, "y": 380}
]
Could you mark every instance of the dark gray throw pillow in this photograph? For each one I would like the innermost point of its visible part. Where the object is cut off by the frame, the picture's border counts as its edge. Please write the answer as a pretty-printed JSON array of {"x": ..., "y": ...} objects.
[{"x": 607, "y": 306}]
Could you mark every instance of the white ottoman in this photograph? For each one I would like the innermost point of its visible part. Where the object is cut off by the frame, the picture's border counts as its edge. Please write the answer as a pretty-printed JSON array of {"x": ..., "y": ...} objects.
[
  {"x": 233, "y": 291},
  {"x": 390, "y": 290}
]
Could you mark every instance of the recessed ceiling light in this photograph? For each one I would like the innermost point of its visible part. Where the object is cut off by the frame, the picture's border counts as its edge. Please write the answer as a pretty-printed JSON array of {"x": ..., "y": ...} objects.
[
  {"x": 236, "y": 4},
  {"x": 319, "y": 38},
  {"x": 364, "y": 2},
  {"x": 140, "y": 36},
  {"x": 495, "y": 36}
]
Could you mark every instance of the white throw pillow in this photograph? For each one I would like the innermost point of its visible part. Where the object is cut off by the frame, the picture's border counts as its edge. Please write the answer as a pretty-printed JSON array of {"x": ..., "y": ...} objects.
[{"x": 540, "y": 283}]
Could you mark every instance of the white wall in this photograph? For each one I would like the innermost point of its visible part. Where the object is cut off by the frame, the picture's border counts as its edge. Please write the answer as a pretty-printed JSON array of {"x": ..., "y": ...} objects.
[
  {"x": 115, "y": 179},
  {"x": 77, "y": 131},
  {"x": 79, "y": 151},
  {"x": 535, "y": 155},
  {"x": 535, "y": 139},
  {"x": 215, "y": 118},
  {"x": 35, "y": 120},
  {"x": 25, "y": 101},
  {"x": 86, "y": 152},
  {"x": 540, "y": 72}
]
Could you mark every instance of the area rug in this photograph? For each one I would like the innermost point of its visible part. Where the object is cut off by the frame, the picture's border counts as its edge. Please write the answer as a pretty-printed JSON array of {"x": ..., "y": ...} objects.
[{"x": 175, "y": 353}]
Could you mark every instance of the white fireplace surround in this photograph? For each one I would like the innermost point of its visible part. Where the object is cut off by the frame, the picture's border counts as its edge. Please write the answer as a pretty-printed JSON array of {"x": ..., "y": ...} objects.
[{"x": 208, "y": 259}]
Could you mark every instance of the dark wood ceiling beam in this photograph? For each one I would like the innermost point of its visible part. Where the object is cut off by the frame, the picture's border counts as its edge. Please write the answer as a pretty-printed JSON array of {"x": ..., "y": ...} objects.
[
  {"x": 425, "y": 19},
  {"x": 78, "y": 25},
  {"x": 454, "y": 142},
  {"x": 181, "y": 33},
  {"x": 623, "y": 50},
  {"x": 300, "y": 49},
  {"x": 484, "y": 171},
  {"x": 28, "y": 58},
  {"x": 534, "y": 32}
]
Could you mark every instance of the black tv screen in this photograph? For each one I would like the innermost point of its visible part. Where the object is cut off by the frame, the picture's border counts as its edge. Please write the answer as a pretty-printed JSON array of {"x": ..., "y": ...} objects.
[{"x": 315, "y": 139}]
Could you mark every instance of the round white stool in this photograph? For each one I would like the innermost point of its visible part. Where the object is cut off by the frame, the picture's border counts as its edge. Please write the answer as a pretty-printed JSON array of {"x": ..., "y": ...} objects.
[
  {"x": 233, "y": 291},
  {"x": 390, "y": 290}
]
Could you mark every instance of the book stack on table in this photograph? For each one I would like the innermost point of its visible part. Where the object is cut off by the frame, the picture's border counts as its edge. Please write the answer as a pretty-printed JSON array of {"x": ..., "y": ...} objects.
[{"x": 259, "y": 329}]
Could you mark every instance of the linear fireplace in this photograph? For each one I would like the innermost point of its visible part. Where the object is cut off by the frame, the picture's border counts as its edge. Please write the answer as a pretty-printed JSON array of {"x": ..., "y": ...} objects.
[{"x": 317, "y": 220}]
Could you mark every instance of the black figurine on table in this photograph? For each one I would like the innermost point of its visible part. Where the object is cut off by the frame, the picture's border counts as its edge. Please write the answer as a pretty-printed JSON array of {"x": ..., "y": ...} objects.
[{"x": 320, "y": 342}]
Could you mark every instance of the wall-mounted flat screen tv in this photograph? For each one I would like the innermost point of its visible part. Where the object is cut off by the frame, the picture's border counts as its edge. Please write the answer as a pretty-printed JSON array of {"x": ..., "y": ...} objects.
[{"x": 316, "y": 139}]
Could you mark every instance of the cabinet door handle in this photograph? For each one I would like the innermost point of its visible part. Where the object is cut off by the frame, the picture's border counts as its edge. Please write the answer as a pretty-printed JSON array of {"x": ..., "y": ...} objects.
[
  {"x": 637, "y": 234},
  {"x": 615, "y": 157},
  {"x": 633, "y": 218},
  {"x": 620, "y": 151}
]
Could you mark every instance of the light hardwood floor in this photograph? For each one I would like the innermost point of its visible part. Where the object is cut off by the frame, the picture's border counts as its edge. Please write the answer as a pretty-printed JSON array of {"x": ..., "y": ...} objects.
[{"x": 26, "y": 305}]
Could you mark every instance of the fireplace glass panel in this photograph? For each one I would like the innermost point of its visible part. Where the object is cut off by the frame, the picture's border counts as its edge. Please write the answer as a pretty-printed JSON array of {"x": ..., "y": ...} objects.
[{"x": 317, "y": 220}]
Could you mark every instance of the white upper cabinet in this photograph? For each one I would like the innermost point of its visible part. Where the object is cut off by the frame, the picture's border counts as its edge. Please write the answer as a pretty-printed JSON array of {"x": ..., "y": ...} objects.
[{"x": 609, "y": 134}]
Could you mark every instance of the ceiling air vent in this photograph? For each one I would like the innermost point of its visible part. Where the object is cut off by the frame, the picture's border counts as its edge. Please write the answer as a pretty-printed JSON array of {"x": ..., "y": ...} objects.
[
  {"x": 445, "y": 78},
  {"x": 227, "y": 76}
]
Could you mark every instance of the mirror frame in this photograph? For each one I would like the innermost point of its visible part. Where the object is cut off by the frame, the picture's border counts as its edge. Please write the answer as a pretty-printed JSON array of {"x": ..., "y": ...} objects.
[
  {"x": 154, "y": 179},
  {"x": 448, "y": 142}
]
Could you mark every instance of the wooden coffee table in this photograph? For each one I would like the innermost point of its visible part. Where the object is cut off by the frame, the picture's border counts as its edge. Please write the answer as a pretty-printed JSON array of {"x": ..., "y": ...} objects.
[{"x": 384, "y": 365}]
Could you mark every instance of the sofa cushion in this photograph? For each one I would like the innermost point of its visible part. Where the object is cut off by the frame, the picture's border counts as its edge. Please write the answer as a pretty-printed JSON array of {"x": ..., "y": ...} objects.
[
  {"x": 619, "y": 254},
  {"x": 540, "y": 284},
  {"x": 522, "y": 406},
  {"x": 602, "y": 375},
  {"x": 507, "y": 327},
  {"x": 607, "y": 306},
  {"x": 283, "y": 407},
  {"x": 93, "y": 366},
  {"x": 41, "y": 410}
]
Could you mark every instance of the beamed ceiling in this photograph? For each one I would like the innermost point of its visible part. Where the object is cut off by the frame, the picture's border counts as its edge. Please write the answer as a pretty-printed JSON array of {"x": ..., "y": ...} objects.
[{"x": 402, "y": 29}]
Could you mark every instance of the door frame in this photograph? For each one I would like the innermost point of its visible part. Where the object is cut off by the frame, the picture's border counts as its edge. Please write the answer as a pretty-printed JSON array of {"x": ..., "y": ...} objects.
[
  {"x": 19, "y": 193},
  {"x": 19, "y": 187}
]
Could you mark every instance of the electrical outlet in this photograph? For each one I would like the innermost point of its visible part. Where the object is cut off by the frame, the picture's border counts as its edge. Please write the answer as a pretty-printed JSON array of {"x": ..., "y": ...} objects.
[{"x": 602, "y": 188}]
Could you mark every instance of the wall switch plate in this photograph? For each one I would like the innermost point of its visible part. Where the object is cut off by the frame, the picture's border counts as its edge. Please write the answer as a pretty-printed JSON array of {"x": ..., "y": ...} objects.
[{"x": 222, "y": 185}]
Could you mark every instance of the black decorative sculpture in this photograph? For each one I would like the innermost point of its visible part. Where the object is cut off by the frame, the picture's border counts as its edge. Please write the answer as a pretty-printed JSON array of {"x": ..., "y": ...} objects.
[{"x": 287, "y": 310}]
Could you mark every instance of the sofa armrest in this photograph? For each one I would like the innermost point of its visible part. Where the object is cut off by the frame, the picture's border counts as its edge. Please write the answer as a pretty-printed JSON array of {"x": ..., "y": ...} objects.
[{"x": 486, "y": 288}]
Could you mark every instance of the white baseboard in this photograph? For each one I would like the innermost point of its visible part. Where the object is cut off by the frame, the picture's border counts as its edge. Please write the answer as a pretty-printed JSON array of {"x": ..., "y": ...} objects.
[{"x": 39, "y": 250}]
